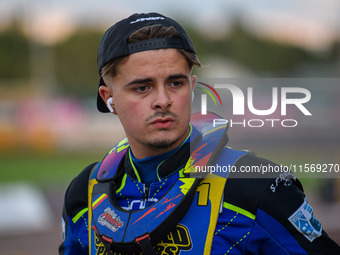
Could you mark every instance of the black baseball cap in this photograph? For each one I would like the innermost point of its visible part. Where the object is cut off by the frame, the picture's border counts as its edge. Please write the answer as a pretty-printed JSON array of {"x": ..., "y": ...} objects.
[{"x": 114, "y": 43}]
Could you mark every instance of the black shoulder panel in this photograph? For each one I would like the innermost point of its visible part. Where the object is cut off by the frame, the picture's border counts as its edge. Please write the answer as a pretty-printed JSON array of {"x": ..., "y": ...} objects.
[
  {"x": 76, "y": 194},
  {"x": 246, "y": 192}
]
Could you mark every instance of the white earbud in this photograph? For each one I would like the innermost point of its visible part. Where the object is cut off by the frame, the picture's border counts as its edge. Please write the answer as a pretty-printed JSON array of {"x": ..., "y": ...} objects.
[
  {"x": 192, "y": 97},
  {"x": 109, "y": 104}
]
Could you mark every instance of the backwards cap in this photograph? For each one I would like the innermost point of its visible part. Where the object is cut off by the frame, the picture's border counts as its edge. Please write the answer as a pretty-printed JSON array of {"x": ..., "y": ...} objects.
[{"x": 114, "y": 43}]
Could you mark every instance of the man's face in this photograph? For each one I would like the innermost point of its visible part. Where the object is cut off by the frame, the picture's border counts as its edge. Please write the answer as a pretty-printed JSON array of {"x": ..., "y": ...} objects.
[{"x": 151, "y": 95}]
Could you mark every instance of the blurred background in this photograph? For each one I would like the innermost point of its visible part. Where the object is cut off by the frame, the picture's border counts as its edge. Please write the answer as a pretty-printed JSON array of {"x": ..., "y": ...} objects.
[{"x": 50, "y": 128}]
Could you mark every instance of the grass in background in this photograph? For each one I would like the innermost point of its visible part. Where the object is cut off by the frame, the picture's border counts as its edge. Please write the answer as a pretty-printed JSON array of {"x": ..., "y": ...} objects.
[{"x": 43, "y": 169}]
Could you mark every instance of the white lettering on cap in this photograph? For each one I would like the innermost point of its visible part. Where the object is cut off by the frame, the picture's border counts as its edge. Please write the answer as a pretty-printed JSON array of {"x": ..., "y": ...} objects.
[{"x": 146, "y": 19}]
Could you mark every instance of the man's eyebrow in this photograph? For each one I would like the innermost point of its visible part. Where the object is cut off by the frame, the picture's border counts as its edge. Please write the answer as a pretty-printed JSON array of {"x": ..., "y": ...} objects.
[
  {"x": 177, "y": 76},
  {"x": 146, "y": 80},
  {"x": 139, "y": 81}
]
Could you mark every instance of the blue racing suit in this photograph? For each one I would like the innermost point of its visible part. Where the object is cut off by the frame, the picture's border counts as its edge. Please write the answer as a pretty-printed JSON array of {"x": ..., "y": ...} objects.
[{"x": 257, "y": 215}]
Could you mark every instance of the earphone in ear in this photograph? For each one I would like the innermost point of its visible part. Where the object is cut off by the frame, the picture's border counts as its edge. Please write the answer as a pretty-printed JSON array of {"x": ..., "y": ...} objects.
[
  {"x": 192, "y": 97},
  {"x": 109, "y": 104}
]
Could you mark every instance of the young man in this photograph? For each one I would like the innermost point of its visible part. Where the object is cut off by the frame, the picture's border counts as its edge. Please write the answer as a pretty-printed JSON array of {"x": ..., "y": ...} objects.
[{"x": 140, "y": 199}]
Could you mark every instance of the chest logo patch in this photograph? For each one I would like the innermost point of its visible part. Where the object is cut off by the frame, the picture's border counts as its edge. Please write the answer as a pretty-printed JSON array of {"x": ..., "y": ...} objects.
[
  {"x": 305, "y": 222},
  {"x": 110, "y": 219},
  {"x": 177, "y": 240}
]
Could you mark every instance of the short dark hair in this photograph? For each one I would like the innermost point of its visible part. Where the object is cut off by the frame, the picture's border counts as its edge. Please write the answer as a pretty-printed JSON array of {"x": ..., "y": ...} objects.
[{"x": 146, "y": 33}]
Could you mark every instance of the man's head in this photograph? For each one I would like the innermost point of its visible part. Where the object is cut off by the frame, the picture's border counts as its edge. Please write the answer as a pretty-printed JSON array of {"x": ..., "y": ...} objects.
[
  {"x": 149, "y": 32},
  {"x": 126, "y": 36},
  {"x": 150, "y": 81}
]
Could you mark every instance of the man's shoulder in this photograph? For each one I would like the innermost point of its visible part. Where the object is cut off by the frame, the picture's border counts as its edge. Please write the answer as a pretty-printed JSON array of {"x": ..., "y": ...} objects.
[
  {"x": 251, "y": 187},
  {"x": 243, "y": 158},
  {"x": 77, "y": 192},
  {"x": 242, "y": 190}
]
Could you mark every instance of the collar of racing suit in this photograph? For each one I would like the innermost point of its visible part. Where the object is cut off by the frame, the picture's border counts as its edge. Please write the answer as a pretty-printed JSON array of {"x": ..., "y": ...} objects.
[{"x": 174, "y": 163}]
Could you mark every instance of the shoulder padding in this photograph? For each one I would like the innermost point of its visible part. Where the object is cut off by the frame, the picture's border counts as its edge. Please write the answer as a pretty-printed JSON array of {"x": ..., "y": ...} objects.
[
  {"x": 247, "y": 192},
  {"x": 77, "y": 192}
]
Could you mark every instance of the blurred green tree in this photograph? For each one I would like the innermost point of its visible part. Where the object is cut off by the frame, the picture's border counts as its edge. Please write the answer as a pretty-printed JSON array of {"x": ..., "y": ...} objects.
[
  {"x": 74, "y": 59},
  {"x": 76, "y": 62},
  {"x": 261, "y": 55},
  {"x": 14, "y": 54}
]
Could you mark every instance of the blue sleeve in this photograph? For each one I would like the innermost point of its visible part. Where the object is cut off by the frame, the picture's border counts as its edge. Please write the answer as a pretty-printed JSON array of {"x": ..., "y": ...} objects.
[
  {"x": 287, "y": 219},
  {"x": 268, "y": 216},
  {"x": 269, "y": 237},
  {"x": 283, "y": 223},
  {"x": 75, "y": 236},
  {"x": 75, "y": 216},
  {"x": 240, "y": 232}
]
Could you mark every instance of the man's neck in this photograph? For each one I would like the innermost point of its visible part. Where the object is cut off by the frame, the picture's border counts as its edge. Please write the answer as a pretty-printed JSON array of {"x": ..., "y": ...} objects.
[
  {"x": 141, "y": 151},
  {"x": 147, "y": 167}
]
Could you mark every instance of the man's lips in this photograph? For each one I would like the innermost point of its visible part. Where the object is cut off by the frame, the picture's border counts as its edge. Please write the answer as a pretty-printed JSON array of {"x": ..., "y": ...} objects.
[{"x": 163, "y": 122}]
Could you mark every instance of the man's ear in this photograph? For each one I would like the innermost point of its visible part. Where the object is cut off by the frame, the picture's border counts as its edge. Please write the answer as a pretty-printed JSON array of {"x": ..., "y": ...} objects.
[
  {"x": 193, "y": 81},
  {"x": 193, "y": 84},
  {"x": 106, "y": 94}
]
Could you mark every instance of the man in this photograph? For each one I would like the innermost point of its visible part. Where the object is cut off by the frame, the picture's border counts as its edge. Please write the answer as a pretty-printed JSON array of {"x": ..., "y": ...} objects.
[{"x": 141, "y": 199}]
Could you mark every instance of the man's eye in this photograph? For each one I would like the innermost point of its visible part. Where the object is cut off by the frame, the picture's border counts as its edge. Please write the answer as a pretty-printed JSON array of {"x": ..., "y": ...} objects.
[
  {"x": 176, "y": 83},
  {"x": 141, "y": 88}
]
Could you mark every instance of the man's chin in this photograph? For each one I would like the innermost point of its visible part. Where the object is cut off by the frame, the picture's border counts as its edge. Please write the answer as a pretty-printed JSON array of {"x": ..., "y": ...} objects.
[{"x": 162, "y": 144}]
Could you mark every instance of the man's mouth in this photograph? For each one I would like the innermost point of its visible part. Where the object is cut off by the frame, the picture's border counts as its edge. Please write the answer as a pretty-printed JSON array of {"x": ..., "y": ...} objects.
[{"x": 163, "y": 122}]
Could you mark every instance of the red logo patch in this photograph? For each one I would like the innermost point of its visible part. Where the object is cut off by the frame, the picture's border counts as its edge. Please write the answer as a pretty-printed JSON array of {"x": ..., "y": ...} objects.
[{"x": 110, "y": 219}]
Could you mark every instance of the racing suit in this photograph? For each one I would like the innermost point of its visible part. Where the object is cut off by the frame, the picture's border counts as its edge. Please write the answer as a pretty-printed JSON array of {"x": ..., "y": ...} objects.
[{"x": 257, "y": 216}]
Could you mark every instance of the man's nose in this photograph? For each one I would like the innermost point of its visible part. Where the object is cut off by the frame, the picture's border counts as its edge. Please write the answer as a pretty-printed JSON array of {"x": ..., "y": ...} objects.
[{"x": 162, "y": 100}]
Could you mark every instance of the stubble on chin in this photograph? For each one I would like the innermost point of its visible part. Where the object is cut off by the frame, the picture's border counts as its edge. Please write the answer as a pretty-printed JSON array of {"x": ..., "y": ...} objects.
[{"x": 162, "y": 144}]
